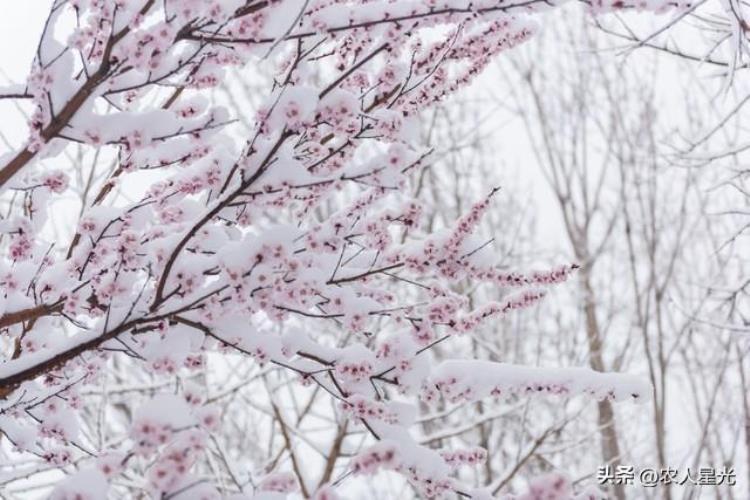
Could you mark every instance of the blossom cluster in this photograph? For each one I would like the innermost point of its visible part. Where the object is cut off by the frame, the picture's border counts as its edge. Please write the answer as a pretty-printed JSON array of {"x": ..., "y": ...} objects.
[{"x": 239, "y": 247}]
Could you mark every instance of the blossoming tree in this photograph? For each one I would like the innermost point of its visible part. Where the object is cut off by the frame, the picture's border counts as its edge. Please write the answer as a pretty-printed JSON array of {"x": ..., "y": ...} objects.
[{"x": 297, "y": 247}]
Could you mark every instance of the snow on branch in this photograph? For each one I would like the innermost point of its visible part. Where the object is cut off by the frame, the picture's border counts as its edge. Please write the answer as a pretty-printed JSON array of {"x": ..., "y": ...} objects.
[{"x": 471, "y": 380}]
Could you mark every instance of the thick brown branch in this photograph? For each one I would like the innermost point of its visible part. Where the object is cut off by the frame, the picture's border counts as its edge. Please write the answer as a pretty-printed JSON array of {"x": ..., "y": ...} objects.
[
  {"x": 12, "y": 381},
  {"x": 61, "y": 119},
  {"x": 32, "y": 313}
]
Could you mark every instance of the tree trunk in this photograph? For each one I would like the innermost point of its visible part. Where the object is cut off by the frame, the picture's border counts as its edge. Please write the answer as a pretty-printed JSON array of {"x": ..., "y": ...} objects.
[{"x": 606, "y": 416}]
